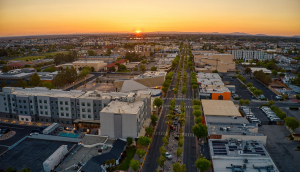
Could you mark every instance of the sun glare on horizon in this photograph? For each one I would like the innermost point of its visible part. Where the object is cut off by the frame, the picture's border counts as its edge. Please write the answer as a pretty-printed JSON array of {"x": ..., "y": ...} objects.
[{"x": 138, "y": 31}]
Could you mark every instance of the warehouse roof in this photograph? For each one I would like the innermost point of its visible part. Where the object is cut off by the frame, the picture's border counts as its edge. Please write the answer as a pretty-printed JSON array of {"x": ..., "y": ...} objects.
[{"x": 223, "y": 108}]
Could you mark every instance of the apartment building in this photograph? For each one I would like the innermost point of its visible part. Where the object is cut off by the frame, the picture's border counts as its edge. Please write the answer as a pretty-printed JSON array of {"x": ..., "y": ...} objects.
[
  {"x": 65, "y": 107},
  {"x": 250, "y": 55}
]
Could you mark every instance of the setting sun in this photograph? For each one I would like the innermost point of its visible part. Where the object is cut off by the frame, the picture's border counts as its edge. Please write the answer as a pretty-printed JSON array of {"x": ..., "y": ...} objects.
[{"x": 138, "y": 31}]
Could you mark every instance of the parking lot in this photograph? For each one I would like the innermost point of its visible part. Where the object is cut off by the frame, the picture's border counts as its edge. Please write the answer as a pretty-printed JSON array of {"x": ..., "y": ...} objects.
[
  {"x": 281, "y": 150},
  {"x": 259, "y": 114},
  {"x": 30, "y": 153},
  {"x": 21, "y": 131},
  {"x": 242, "y": 92},
  {"x": 266, "y": 91}
]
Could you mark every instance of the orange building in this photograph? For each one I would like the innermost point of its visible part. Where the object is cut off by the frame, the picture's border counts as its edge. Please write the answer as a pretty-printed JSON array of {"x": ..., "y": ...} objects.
[{"x": 214, "y": 92}]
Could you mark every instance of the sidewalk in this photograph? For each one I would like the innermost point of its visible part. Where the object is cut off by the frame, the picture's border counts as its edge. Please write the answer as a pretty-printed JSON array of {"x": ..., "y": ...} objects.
[{"x": 77, "y": 82}]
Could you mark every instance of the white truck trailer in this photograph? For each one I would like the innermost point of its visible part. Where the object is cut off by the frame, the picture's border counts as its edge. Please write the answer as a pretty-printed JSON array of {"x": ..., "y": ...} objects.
[
  {"x": 55, "y": 158},
  {"x": 50, "y": 128}
]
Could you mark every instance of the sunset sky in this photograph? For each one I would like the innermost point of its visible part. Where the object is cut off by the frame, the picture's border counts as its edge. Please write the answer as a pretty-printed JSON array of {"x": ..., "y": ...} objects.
[{"x": 36, "y": 17}]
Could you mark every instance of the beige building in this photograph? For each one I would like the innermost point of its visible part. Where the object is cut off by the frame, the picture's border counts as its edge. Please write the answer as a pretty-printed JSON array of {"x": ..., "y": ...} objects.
[
  {"x": 208, "y": 62},
  {"x": 97, "y": 65},
  {"x": 224, "y": 108}
]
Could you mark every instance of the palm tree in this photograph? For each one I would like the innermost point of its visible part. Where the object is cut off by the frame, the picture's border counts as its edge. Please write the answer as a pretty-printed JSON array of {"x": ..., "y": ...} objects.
[{"x": 182, "y": 122}]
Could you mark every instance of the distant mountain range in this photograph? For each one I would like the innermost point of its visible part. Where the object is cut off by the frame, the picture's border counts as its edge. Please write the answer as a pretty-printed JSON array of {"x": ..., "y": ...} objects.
[{"x": 157, "y": 32}]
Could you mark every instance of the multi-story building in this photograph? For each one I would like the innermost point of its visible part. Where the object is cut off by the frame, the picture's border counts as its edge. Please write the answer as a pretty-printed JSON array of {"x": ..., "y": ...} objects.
[
  {"x": 250, "y": 55},
  {"x": 13, "y": 76},
  {"x": 65, "y": 107}
]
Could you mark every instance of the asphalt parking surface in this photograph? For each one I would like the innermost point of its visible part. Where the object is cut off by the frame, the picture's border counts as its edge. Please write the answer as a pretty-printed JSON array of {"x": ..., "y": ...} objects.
[
  {"x": 281, "y": 150},
  {"x": 21, "y": 131},
  {"x": 259, "y": 114},
  {"x": 244, "y": 93},
  {"x": 266, "y": 91},
  {"x": 30, "y": 153}
]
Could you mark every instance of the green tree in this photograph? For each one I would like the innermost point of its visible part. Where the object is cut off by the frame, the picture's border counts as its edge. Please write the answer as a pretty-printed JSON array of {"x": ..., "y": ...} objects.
[
  {"x": 91, "y": 52},
  {"x": 149, "y": 130},
  {"x": 143, "y": 68},
  {"x": 135, "y": 69},
  {"x": 158, "y": 102},
  {"x": 215, "y": 71},
  {"x": 129, "y": 141},
  {"x": 107, "y": 162},
  {"x": 292, "y": 123},
  {"x": 274, "y": 72},
  {"x": 144, "y": 141},
  {"x": 5, "y": 68},
  {"x": 196, "y": 102},
  {"x": 165, "y": 141},
  {"x": 202, "y": 164},
  {"x": 183, "y": 90},
  {"x": 10, "y": 169},
  {"x": 162, "y": 150},
  {"x": 38, "y": 69},
  {"x": 140, "y": 153},
  {"x": 271, "y": 102},
  {"x": 153, "y": 68},
  {"x": 122, "y": 67},
  {"x": 153, "y": 118},
  {"x": 48, "y": 85},
  {"x": 200, "y": 130},
  {"x": 197, "y": 113},
  {"x": 179, "y": 168},
  {"x": 113, "y": 162},
  {"x": 144, "y": 61},
  {"x": 249, "y": 84},
  {"x": 161, "y": 161},
  {"x": 179, "y": 152},
  {"x": 112, "y": 69},
  {"x": 258, "y": 92},
  {"x": 247, "y": 70},
  {"x": 134, "y": 164},
  {"x": 180, "y": 142},
  {"x": 198, "y": 120}
]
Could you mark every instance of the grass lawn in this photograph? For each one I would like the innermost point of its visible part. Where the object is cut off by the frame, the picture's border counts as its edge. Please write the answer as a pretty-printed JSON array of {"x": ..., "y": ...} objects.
[
  {"x": 40, "y": 56},
  {"x": 129, "y": 155},
  {"x": 124, "y": 71}
]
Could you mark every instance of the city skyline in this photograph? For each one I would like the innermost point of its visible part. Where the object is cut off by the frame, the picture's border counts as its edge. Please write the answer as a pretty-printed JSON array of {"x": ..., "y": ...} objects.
[{"x": 274, "y": 18}]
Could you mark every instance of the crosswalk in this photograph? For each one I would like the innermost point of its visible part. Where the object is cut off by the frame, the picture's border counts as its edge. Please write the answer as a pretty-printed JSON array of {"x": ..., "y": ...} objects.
[
  {"x": 178, "y": 106},
  {"x": 164, "y": 133},
  {"x": 168, "y": 98}
]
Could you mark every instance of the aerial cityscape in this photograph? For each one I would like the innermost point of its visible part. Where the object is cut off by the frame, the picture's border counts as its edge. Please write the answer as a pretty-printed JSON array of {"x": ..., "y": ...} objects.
[{"x": 149, "y": 86}]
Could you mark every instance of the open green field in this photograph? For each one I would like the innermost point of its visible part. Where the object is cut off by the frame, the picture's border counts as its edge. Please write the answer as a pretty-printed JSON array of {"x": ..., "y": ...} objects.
[{"x": 40, "y": 56}]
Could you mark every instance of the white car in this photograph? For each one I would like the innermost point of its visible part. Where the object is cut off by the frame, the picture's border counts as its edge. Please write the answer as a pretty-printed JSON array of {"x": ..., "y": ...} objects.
[
  {"x": 278, "y": 97},
  {"x": 168, "y": 155}
]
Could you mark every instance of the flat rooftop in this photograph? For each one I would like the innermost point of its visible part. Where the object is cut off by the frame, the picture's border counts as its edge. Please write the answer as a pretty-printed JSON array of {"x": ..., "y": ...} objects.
[
  {"x": 233, "y": 129},
  {"x": 123, "y": 107},
  {"x": 31, "y": 153},
  {"x": 240, "y": 155},
  {"x": 151, "y": 74},
  {"x": 226, "y": 120},
  {"x": 213, "y": 89},
  {"x": 88, "y": 61},
  {"x": 208, "y": 75},
  {"x": 219, "y": 108},
  {"x": 210, "y": 81},
  {"x": 42, "y": 91}
]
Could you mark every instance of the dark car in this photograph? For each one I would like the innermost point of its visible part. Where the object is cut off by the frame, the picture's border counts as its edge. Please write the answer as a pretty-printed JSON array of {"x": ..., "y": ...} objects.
[
  {"x": 172, "y": 127},
  {"x": 37, "y": 130},
  {"x": 5, "y": 130},
  {"x": 175, "y": 123}
]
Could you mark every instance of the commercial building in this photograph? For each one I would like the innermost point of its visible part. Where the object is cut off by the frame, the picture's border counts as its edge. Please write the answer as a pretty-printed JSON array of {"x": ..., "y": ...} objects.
[
  {"x": 99, "y": 57},
  {"x": 114, "y": 64},
  {"x": 13, "y": 76},
  {"x": 208, "y": 62},
  {"x": 223, "y": 108},
  {"x": 214, "y": 92},
  {"x": 124, "y": 117},
  {"x": 65, "y": 107},
  {"x": 253, "y": 69},
  {"x": 18, "y": 64},
  {"x": 250, "y": 55},
  {"x": 97, "y": 65},
  {"x": 240, "y": 156}
]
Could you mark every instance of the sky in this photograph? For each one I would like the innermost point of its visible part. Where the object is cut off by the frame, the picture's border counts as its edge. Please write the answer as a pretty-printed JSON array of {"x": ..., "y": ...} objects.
[{"x": 39, "y": 17}]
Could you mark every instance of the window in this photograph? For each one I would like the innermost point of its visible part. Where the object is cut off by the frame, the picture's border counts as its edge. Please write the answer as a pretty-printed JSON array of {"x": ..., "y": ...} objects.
[
  {"x": 77, "y": 103},
  {"x": 67, "y": 109},
  {"x": 25, "y": 107},
  {"x": 61, "y": 108},
  {"x": 40, "y": 101},
  {"x": 31, "y": 106},
  {"x": 67, "y": 122},
  {"x": 30, "y": 101},
  {"x": 24, "y": 101},
  {"x": 46, "y": 107},
  {"x": 67, "y": 114},
  {"x": 12, "y": 99},
  {"x": 72, "y": 108},
  {"x": 57, "y": 121},
  {"x": 78, "y": 115},
  {"x": 45, "y": 101},
  {"x": 25, "y": 112},
  {"x": 31, "y": 112},
  {"x": 46, "y": 120},
  {"x": 105, "y": 105},
  {"x": 55, "y": 102},
  {"x": 95, "y": 110},
  {"x": 89, "y": 110},
  {"x": 46, "y": 112},
  {"x": 89, "y": 116},
  {"x": 5, "y": 104},
  {"x": 19, "y": 100},
  {"x": 61, "y": 102},
  {"x": 83, "y": 115},
  {"x": 72, "y": 103},
  {"x": 51, "y": 101},
  {"x": 62, "y": 114},
  {"x": 82, "y": 104},
  {"x": 88, "y": 104},
  {"x": 78, "y": 110},
  {"x": 21, "y": 112},
  {"x": 41, "y": 107},
  {"x": 42, "y": 119},
  {"x": 66, "y": 103},
  {"x": 5, "y": 109},
  {"x": 42, "y": 112},
  {"x": 83, "y": 110},
  {"x": 5, "y": 98},
  {"x": 52, "y": 107},
  {"x": 63, "y": 122},
  {"x": 73, "y": 114},
  {"x": 20, "y": 106},
  {"x": 95, "y": 116},
  {"x": 14, "y": 104},
  {"x": 95, "y": 104},
  {"x": 52, "y": 113},
  {"x": 22, "y": 119},
  {"x": 27, "y": 119}
]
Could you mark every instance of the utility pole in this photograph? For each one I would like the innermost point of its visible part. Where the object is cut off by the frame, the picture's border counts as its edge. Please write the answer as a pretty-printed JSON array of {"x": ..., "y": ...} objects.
[{"x": 217, "y": 63}]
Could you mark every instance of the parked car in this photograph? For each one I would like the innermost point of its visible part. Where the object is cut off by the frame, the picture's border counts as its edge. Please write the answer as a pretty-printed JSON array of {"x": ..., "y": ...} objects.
[
  {"x": 61, "y": 128},
  {"x": 235, "y": 96},
  {"x": 168, "y": 155},
  {"x": 279, "y": 97},
  {"x": 177, "y": 111},
  {"x": 175, "y": 122},
  {"x": 261, "y": 97},
  {"x": 104, "y": 147},
  {"x": 172, "y": 127}
]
